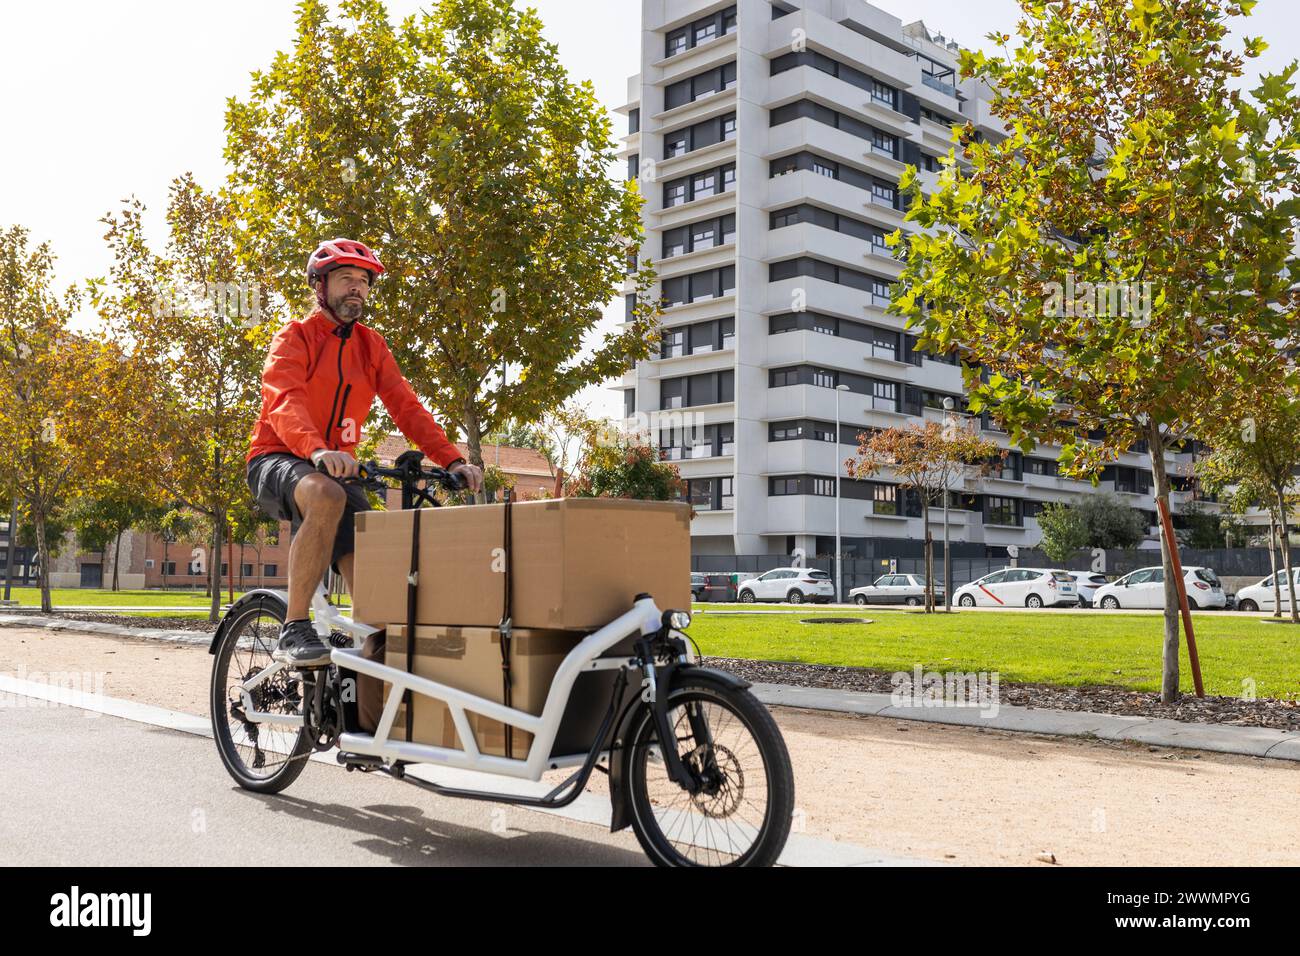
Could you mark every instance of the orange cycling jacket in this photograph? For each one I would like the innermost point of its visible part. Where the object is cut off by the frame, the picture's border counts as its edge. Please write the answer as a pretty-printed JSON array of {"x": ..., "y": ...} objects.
[{"x": 318, "y": 384}]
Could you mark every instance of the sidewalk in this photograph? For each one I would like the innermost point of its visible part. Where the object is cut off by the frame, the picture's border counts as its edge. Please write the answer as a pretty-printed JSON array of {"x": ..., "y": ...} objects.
[{"x": 1219, "y": 738}]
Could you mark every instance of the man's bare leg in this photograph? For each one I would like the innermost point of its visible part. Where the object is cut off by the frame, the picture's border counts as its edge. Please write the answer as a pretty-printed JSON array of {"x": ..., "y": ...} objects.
[
  {"x": 345, "y": 568},
  {"x": 320, "y": 500}
]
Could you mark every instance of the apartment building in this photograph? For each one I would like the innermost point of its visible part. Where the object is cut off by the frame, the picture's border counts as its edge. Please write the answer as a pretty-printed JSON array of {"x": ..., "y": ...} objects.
[{"x": 768, "y": 137}]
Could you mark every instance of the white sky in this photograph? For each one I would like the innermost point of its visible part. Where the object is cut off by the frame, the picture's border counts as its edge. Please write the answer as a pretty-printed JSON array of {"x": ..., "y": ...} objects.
[{"x": 113, "y": 99}]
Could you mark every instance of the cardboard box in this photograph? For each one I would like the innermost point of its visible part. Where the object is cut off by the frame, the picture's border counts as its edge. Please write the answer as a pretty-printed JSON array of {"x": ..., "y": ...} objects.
[
  {"x": 578, "y": 562},
  {"x": 469, "y": 659}
]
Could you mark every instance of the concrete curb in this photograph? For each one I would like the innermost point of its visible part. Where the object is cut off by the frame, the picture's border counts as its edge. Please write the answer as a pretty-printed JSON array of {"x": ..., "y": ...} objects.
[
  {"x": 1220, "y": 738},
  {"x": 99, "y": 627}
]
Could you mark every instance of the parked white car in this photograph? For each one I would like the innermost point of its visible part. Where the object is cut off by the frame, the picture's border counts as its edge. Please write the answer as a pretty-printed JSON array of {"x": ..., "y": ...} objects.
[
  {"x": 795, "y": 585},
  {"x": 1087, "y": 582},
  {"x": 1259, "y": 597},
  {"x": 906, "y": 589},
  {"x": 1145, "y": 588},
  {"x": 1020, "y": 587}
]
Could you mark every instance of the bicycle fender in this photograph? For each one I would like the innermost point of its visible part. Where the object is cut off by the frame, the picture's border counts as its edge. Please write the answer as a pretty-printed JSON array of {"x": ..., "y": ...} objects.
[
  {"x": 258, "y": 594},
  {"x": 620, "y": 807}
]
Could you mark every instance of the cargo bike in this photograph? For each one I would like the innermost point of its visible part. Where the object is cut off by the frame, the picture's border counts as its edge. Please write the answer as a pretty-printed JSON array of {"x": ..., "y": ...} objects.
[{"x": 721, "y": 794}]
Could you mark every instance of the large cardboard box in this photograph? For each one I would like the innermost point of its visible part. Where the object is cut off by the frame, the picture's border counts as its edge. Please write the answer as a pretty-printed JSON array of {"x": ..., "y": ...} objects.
[
  {"x": 469, "y": 659},
  {"x": 578, "y": 562}
]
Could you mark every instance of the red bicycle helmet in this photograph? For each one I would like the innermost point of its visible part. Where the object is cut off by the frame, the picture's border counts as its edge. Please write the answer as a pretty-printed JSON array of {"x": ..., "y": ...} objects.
[{"x": 332, "y": 253}]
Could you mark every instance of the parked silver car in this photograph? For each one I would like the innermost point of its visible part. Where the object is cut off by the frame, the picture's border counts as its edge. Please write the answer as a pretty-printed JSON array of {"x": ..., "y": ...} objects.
[{"x": 906, "y": 589}]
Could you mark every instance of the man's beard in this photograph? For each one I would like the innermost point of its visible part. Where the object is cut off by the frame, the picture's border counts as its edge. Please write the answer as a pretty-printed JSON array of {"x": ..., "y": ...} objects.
[{"x": 348, "y": 310}]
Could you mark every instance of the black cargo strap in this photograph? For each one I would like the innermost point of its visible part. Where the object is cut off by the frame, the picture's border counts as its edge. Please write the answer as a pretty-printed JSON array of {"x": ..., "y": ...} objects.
[
  {"x": 412, "y": 590},
  {"x": 504, "y": 628}
]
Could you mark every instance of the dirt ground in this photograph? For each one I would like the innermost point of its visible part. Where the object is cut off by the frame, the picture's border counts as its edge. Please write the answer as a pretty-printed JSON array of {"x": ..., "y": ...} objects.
[{"x": 951, "y": 794}]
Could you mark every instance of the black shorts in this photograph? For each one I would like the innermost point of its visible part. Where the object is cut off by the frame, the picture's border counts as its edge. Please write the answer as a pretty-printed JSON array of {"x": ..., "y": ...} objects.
[{"x": 272, "y": 478}]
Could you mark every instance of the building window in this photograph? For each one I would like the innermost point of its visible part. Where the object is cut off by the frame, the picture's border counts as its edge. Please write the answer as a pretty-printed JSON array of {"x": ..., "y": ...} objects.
[
  {"x": 676, "y": 144},
  {"x": 246, "y": 570},
  {"x": 705, "y": 32},
  {"x": 884, "y": 499},
  {"x": 271, "y": 570},
  {"x": 884, "y": 144},
  {"x": 726, "y": 494},
  {"x": 674, "y": 194},
  {"x": 1002, "y": 510},
  {"x": 148, "y": 562},
  {"x": 170, "y": 567},
  {"x": 783, "y": 486},
  {"x": 884, "y": 94},
  {"x": 883, "y": 194},
  {"x": 633, "y": 126},
  {"x": 823, "y": 378},
  {"x": 780, "y": 377},
  {"x": 729, "y": 127},
  {"x": 633, "y": 166},
  {"x": 825, "y": 487},
  {"x": 884, "y": 396},
  {"x": 823, "y": 168},
  {"x": 672, "y": 343},
  {"x": 884, "y": 344},
  {"x": 677, "y": 42}
]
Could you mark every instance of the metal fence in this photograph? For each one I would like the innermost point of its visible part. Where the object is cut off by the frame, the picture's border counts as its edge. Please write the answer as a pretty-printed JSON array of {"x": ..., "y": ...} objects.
[{"x": 858, "y": 572}]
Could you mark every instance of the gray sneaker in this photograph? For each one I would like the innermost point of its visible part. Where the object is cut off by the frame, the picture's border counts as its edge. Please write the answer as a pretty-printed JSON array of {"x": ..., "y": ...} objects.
[{"x": 301, "y": 646}]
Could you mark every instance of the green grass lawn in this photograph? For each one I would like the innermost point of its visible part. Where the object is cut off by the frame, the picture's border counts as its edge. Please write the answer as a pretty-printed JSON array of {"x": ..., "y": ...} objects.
[
  {"x": 70, "y": 598},
  {"x": 1068, "y": 649}
]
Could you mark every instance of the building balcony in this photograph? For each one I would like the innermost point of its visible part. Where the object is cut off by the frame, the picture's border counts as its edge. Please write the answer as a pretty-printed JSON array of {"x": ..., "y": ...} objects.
[{"x": 891, "y": 65}]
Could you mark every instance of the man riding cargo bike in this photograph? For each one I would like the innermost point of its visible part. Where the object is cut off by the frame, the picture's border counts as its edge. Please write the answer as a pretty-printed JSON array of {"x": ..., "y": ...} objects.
[
  {"x": 285, "y": 684},
  {"x": 321, "y": 377}
]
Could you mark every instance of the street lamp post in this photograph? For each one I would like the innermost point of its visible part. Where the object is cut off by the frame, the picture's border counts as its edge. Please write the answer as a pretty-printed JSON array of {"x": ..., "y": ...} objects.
[
  {"x": 947, "y": 567},
  {"x": 838, "y": 390}
]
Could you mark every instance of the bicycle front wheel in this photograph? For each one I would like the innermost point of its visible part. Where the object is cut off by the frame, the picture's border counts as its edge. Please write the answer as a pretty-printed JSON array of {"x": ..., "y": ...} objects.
[{"x": 742, "y": 815}]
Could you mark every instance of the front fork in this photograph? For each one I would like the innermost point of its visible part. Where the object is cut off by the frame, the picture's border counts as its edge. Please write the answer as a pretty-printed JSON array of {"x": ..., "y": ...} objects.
[{"x": 657, "y": 679}]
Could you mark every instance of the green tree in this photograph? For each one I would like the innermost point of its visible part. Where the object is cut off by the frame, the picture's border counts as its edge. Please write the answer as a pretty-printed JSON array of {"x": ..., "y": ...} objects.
[
  {"x": 931, "y": 459},
  {"x": 1123, "y": 253},
  {"x": 1065, "y": 533},
  {"x": 54, "y": 388},
  {"x": 1255, "y": 457},
  {"x": 101, "y": 519},
  {"x": 196, "y": 320},
  {"x": 617, "y": 464},
  {"x": 458, "y": 146},
  {"x": 1111, "y": 522}
]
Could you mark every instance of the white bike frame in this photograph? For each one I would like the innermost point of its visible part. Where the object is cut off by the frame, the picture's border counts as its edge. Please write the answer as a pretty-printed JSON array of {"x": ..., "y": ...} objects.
[{"x": 643, "y": 618}]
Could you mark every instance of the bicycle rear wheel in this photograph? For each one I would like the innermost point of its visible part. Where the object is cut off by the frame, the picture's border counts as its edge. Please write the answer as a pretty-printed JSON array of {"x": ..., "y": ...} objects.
[
  {"x": 261, "y": 757},
  {"x": 742, "y": 817}
]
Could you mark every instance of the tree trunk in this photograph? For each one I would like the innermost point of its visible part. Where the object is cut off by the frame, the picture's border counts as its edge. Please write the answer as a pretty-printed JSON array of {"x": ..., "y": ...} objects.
[
  {"x": 117, "y": 553},
  {"x": 43, "y": 556},
  {"x": 1286, "y": 554},
  {"x": 1272, "y": 563},
  {"x": 1169, "y": 658},
  {"x": 929, "y": 554},
  {"x": 214, "y": 576},
  {"x": 474, "y": 443}
]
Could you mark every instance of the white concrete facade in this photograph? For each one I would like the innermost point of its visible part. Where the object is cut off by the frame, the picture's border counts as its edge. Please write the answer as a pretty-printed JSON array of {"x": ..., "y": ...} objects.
[{"x": 771, "y": 87}]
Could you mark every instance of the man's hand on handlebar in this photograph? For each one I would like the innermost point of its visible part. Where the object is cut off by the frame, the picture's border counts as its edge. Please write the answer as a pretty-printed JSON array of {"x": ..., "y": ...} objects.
[
  {"x": 471, "y": 475},
  {"x": 336, "y": 464}
]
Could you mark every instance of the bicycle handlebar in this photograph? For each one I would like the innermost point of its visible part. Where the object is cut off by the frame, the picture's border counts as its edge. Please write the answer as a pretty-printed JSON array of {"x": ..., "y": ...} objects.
[{"x": 408, "y": 470}]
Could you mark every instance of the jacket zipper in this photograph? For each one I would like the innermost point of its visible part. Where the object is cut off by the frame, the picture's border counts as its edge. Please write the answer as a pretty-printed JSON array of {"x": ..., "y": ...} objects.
[{"x": 335, "y": 404}]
